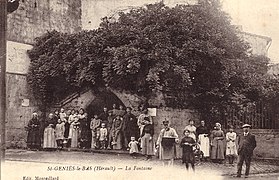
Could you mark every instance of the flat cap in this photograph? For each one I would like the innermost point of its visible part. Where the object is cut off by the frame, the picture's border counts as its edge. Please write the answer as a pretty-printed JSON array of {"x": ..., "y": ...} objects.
[{"x": 246, "y": 126}]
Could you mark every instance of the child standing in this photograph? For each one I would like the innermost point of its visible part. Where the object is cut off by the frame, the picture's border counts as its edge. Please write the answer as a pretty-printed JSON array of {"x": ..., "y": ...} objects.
[
  {"x": 231, "y": 151},
  {"x": 103, "y": 136},
  {"x": 133, "y": 145},
  {"x": 95, "y": 127},
  {"x": 62, "y": 115},
  {"x": 59, "y": 133},
  {"x": 187, "y": 144}
]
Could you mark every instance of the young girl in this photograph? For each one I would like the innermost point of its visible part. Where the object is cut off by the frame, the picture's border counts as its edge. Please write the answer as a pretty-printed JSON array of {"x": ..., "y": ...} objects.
[
  {"x": 133, "y": 145},
  {"x": 187, "y": 144},
  {"x": 95, "y": 127},
  {"x": 59, "y": 133},
  {"x": 103, "y": 136},
  {"x": 62, "y": 115},
  {"x": 231, "y": 151}
]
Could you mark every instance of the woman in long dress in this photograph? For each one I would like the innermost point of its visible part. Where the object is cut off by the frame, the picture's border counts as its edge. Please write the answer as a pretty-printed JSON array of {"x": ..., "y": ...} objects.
[
  {"x": 141, "y": 120},
  {"x": 74, "y": 129},
  {"x": 95, "y": 125},
  {"x": 147, "y": 142},
  {"x": 203, "y": 139},
  {"x": 49, "y": 133},
  {"x": 67, "y": 128},
  {"x": 116, "y": 132},
  {"x": 84, "y": 129},
  {"x": 167, "y": 151},
  {"x": 217, "y": 144},
  {"x": 33, "y": 137}
]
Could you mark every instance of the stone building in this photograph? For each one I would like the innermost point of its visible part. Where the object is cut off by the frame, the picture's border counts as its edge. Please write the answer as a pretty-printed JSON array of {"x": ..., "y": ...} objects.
[
  {"x": 259, "y": 44},
  {"x": 33, "y": 18},
  {"x": 274, "y": 70}
]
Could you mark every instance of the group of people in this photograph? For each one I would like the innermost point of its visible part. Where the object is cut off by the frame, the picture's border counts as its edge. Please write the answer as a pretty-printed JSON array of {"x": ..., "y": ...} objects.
[
  {"x": 214, "y": 144},
  {"x": 117, "y": 128},
  {"x": 120, "y": 129}
]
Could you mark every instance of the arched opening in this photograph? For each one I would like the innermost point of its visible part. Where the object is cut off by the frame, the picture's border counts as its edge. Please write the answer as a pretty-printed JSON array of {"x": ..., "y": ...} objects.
[{"x": 104, "y": 98}]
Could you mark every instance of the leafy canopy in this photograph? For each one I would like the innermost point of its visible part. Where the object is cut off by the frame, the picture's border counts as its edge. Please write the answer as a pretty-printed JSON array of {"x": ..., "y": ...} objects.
[{"x": 191, "y": 54}]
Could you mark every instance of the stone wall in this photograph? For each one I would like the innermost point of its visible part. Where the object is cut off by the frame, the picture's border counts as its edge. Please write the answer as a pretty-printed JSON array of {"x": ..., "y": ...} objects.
[
  {"x": 20, "y": 106},
  {"x": 267, "y": 143},
  {"x": 17, "y": 58},
  {"x": 76, "y": 101},
  {"x": 93, "y": 11},
  {"x": 179, "y": 119},
  {"x": 34, "y": 18},
  {"x": 129, "y": 100},
  {"x": 20, "y": 102}
]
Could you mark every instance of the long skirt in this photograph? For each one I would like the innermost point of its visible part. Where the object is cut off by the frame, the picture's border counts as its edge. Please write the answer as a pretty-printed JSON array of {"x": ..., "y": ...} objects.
[
  {"x": 33, "y": 138},
  {"x": 204, "y": 145},
  {"x": 67, "y": 129},
  {"x": 118, "y": 144},
  {"x": 147, "y": 145},
  {"x": 217, "y": 151},
  {"x": 49, "y": 138},
  {"x": 167, "y": 152},
  {"x": 94, "y": 139},
  {"x": 231, "y": 148},
  {"x": 74, "y": 137}
]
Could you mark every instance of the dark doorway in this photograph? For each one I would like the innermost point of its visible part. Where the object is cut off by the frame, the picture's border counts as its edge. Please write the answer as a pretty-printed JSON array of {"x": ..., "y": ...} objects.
[{"x": 104, "y": 98}]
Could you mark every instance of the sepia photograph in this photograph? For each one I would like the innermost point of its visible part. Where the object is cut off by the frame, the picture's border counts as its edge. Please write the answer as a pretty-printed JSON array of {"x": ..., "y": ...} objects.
[{"x": 139, "y": 89}]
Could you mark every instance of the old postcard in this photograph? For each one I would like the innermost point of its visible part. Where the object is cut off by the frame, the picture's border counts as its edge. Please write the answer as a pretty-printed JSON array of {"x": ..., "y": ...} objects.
[{"x": 139, "y": 89}]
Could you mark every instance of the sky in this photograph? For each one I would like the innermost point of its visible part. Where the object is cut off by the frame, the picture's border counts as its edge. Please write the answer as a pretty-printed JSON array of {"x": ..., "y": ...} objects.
[{"x": 258, "y": 17}]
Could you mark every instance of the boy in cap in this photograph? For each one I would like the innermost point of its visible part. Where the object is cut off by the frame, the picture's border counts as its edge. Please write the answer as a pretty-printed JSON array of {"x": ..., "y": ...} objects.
[{"x": 247, "y": 144}]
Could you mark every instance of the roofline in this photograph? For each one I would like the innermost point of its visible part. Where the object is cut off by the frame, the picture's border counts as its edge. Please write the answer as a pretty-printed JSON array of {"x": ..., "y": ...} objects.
[{"x": 260, "y": 36}]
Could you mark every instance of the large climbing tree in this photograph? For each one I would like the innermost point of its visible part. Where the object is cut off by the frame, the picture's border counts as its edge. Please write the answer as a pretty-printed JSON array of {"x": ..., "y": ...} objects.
[{"x": 189, "y": 53}]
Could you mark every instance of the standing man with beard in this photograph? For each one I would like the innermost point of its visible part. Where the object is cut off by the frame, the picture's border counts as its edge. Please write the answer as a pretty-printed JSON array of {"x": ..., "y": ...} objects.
[{"x": 247, "y": 144}]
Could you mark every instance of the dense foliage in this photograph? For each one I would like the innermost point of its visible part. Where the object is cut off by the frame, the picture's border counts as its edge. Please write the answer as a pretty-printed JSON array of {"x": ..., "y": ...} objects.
[{"x": 191, "y": 54}]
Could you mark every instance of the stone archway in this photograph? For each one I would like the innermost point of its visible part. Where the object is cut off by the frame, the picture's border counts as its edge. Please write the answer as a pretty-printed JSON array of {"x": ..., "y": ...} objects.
[
  {"x": 94, "y": 100},
  {"x": 103, "y": 98}
]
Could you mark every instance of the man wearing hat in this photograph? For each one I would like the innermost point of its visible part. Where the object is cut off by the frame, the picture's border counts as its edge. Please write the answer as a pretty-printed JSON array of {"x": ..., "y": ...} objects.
[{"x": 247, "y": 144}]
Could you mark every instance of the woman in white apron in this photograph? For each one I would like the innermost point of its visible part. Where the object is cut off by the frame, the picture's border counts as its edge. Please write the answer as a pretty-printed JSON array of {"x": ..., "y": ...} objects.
[{"x": 203, "y": 140}]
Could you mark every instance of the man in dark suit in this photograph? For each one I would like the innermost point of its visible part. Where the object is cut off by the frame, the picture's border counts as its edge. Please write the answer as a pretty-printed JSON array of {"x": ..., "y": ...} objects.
[{"x": 247, "y": 144}]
